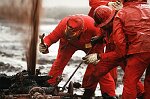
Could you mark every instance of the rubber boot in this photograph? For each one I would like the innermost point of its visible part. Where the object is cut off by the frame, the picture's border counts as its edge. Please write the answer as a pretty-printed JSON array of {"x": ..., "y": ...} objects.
[
  {"x": 141, "y": 96},
  {"x": 88, "y": 93},
  {"x": 106, "y": 96}
]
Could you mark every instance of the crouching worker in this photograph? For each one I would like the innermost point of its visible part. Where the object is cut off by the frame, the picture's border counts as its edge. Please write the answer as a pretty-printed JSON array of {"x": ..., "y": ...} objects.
[
  {"x": 131, "y": 41},
  {"x": 75, "y": 33},
  {"x": 117, "y": 5}
]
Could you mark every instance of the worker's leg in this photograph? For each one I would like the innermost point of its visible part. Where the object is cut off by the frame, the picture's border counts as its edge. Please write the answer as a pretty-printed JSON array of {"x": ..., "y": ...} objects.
[
  {"x": 147, "y": 84},
  {"x": 107, "y": 85},
  {"x": 140, "y": 85},
  {"x": 64, "y": 55},
  {"x": 114, "y": 75},
  {"x": 136, "y": 65},
  {"x": 106, "y": 82}
]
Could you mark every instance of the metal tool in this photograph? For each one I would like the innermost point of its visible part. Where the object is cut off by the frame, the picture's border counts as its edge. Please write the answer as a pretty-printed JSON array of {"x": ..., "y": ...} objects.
[
  {"x": 63, "y": 88},
  {"x": 41, "y": 37},
  {"x": 42, "y": 42}
]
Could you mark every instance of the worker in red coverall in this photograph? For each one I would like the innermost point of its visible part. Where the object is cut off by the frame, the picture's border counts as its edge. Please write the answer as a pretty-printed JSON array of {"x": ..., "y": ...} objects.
[
  {"x": 131, "y": 38},
  {"x": 114, "y": 3},
  {"x": 117, "y": 6},
  {"x": 75, "y": 33}
]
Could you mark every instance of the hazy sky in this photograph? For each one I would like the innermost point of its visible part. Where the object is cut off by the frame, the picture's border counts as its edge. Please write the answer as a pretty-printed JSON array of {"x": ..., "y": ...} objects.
[{"x": 71, "y": 3}]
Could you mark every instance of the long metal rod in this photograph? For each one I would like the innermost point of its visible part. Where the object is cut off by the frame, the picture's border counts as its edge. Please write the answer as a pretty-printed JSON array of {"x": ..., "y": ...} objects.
[
  {"x": 63, "y": 88},
  {"x": 31, "y": 53}
]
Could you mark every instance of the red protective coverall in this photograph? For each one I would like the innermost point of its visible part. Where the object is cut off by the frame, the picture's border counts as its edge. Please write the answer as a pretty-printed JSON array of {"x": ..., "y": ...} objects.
[
  {"x": 131, "y": 36},
  {"x": 133, "y": 40},
  {"x": 68, "y": 48},
  {"x": 94, "y": 4}
]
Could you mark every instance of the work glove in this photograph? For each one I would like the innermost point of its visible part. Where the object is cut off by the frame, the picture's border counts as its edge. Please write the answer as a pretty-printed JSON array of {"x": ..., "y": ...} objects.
[
  {"x": 97, "y": 39},
  {"x": 43, "y": 48},
  {"x": 116, "y": 5},
  {"x": 91, "y": 59}
]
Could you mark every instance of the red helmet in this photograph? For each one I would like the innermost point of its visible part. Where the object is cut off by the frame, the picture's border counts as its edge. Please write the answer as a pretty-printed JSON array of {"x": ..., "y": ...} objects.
[
  {"x": 103, "y": 15},
  {"x": 75, "y": 22},
  {"x": 74, "y": 26}
]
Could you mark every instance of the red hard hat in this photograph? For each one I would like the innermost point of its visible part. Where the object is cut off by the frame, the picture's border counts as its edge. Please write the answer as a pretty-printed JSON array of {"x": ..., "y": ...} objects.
[
  {"x": 74, "y": 27},
  {"x": 75, "y": 22},
  {"x": 103, "y": 15}
]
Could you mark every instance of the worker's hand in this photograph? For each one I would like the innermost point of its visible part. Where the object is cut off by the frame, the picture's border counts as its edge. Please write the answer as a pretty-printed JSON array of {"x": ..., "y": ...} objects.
[
  {"x": 91, "y": 59},
  {"x": 116, "y": 5},
  {"x": 96, "y": 39},
  {"x": 96, "y": 62},
  {"x": 43, "y": 48}
]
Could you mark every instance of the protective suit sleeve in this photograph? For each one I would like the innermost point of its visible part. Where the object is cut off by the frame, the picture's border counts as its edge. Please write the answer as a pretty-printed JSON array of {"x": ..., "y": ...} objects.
[
  {"x": 56, "y": 34},
  {"x": 119, "y": 40}
]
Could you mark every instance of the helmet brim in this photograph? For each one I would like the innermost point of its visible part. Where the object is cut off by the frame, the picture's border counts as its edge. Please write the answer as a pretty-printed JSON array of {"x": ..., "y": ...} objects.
[{"x": 108, "y": 20}]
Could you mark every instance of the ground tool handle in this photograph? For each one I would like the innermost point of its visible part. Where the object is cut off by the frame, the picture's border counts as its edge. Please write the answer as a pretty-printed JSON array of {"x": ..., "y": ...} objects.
[
  {"x": 42, "y": 42},
  {"x": 41, "y": 37},
  {"x": 63, "y": 88}
]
